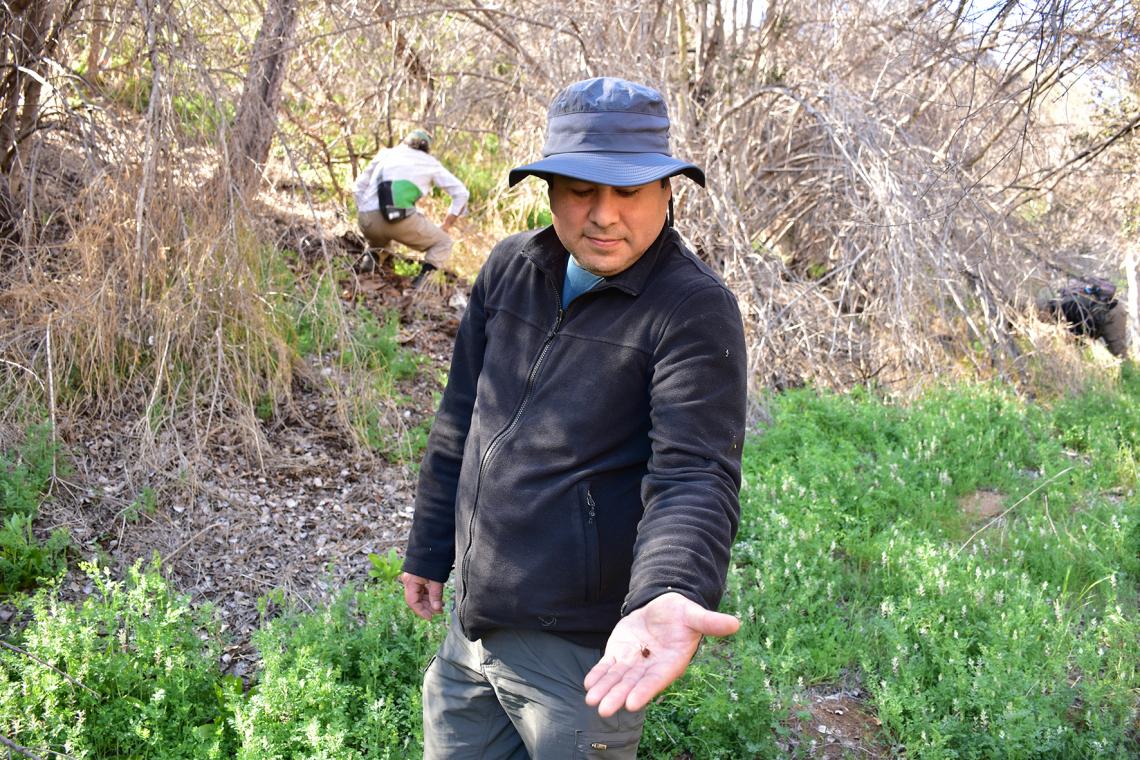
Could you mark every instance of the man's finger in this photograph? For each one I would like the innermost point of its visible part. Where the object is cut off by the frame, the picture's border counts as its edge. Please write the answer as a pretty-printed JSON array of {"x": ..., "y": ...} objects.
[
  {"x": 604, "y": 681},
  {"x": 615, "y": 696},
  {"x": 621, "y": 685},
  {"x": 411, "y": 593},
  {"x": 413, "y": 600},
  {"x": 645, "y": 690},
  {"x": 709, "y": 623},
  {"x": 598, "y": 671},
  {"x": 435, "y": 596},
  {"x": 415, "y": 597}
]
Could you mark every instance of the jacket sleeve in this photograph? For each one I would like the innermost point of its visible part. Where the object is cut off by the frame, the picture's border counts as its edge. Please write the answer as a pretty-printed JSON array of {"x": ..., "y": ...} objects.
[
  {"x": 431, "y": 545},
  {"x": 454, "y": 188},
  {"x": 364, "y": 190},
  {"x": 691, "y": 493}
]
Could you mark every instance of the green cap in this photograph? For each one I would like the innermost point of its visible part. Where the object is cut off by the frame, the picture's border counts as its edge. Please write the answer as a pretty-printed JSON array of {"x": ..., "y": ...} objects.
[{"x": 418, "y": 135}]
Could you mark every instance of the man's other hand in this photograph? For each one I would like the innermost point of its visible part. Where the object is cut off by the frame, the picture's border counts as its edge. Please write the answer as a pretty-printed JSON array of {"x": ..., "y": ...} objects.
[
  {"x": 650, "y": 649},
  {"x": 424, "y": 597}
]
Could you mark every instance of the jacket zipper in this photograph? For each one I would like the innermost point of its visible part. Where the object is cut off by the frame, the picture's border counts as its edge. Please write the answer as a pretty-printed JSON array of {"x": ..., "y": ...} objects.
[
  {"x": 593, "y": 571},
  {"x": 502, "y": 434}
]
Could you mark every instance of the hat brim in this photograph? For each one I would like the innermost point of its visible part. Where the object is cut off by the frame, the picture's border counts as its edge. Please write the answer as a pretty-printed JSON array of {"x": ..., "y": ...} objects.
[{"x": 609, "y": 168}]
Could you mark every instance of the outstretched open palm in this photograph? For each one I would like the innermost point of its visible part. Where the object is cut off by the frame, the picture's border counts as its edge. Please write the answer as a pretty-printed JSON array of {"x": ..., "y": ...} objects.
[{"x": 649, "y": 649}]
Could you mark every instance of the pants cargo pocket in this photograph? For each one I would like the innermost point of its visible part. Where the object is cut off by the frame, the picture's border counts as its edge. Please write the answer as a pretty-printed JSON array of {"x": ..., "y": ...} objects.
[{"x": 608, "y": 745}]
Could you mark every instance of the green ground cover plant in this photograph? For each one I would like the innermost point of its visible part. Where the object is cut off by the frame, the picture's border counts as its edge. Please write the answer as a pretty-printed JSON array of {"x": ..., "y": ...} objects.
[
  {"x": 857, "y": 565},
  {"x": 131, "y": 672},
  {"x": 341, "y": 683},
  {"x": 25, "y": 473},
  {"x": 1014, "y": 637}
]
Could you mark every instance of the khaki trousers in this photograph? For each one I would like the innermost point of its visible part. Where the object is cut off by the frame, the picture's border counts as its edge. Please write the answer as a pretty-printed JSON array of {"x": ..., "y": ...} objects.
[
  {"x": 416, "y": 232},
  {"x": 518, "y": 694}
]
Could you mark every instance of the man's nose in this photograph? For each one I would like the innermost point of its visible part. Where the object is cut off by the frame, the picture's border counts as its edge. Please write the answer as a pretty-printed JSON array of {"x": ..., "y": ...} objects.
[{"x": 604, "y": 210}]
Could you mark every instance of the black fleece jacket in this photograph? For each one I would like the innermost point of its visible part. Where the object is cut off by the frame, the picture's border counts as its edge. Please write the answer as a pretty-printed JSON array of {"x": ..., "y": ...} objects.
[{"x": 584, "y": 461}]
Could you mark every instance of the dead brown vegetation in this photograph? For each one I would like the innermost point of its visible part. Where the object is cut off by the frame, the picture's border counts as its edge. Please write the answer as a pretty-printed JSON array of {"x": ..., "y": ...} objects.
[{"x": 889, "y": 183}]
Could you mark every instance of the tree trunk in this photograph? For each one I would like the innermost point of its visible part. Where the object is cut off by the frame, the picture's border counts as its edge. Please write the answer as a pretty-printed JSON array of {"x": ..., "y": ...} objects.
[
  {"x": 256, "y": 120},
  {"x": 22, "y": 32},
  {"x": 100, "y": 18},
  {"x": 9, "y": 220},
  {"x": 29, "y": 35},
  {"x": 1131, "y": 262}
]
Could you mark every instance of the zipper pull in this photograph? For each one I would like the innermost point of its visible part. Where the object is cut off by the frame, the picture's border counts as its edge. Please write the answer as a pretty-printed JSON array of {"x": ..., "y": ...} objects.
[{"x": 590, "y": 503}]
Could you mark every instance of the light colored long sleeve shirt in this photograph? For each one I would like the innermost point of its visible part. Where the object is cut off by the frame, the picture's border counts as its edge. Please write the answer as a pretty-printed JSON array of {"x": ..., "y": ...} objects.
[{"x": 404, "y": 163}]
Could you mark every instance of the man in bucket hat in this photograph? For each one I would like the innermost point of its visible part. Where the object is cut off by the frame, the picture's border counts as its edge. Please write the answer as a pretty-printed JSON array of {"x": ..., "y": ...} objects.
[{"x": 583, "y": 471}]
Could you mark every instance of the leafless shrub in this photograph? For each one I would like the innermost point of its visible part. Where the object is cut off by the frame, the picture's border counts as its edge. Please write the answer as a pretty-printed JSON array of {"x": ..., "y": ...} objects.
[
  {"x": 869, "y": 164},
  {"x": 887, "y": 189}
]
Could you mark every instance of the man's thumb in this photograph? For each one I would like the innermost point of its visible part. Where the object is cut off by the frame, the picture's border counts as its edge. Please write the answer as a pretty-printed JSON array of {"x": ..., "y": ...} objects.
[{"x": 710, "y": 623}]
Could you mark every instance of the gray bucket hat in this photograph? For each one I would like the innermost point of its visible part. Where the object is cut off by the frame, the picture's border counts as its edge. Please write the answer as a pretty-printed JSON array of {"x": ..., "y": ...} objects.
[{"x": 608, "y": 131}]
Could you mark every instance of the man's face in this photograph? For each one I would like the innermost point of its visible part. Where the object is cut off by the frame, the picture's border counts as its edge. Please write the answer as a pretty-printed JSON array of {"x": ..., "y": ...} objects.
[{"x": 607, "y": 228}]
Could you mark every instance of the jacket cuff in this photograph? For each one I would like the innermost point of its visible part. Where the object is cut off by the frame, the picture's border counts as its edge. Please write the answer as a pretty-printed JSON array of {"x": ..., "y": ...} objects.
[
  {"x": 643, "y": 597},
  {"x": 430, "y": 570}
]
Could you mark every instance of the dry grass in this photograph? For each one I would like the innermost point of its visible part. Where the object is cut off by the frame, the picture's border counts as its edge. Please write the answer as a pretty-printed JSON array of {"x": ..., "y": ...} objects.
[
  {"x": 150, "y": 301},
  {"x": 867, "y": 171}
]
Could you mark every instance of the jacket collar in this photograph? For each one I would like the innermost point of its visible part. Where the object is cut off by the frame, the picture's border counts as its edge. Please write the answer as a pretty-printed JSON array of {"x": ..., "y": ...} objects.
[{"x": 548, "y": 254}]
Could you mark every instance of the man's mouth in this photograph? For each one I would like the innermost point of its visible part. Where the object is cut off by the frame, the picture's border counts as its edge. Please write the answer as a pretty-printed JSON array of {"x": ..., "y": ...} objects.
[{"x": 604, "y": 242}]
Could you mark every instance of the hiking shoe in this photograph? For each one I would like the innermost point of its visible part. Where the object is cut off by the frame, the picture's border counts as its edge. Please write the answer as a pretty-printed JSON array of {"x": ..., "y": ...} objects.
[
  {"x": 369, "y": 262},
  {"x": 424, "y": 276}
]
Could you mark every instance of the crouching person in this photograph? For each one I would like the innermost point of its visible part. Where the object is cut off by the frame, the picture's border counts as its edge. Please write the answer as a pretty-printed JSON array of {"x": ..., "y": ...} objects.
[{"x": 1089, "y": 307}]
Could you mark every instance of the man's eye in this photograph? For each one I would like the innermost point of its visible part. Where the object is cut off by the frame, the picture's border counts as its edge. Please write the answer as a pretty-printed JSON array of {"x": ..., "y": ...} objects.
[{"x": 628, "y": 192}]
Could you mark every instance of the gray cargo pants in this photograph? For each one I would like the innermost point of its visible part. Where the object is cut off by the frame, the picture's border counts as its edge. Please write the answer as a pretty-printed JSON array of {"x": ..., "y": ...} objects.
[{"x": 518, "y": 694}]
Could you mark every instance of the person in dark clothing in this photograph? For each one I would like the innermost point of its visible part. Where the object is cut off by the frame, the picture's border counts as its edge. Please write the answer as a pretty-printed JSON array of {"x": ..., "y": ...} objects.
[
  {"x": 1089, "y": 306},
  {"x": 582, "y": 475}
]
